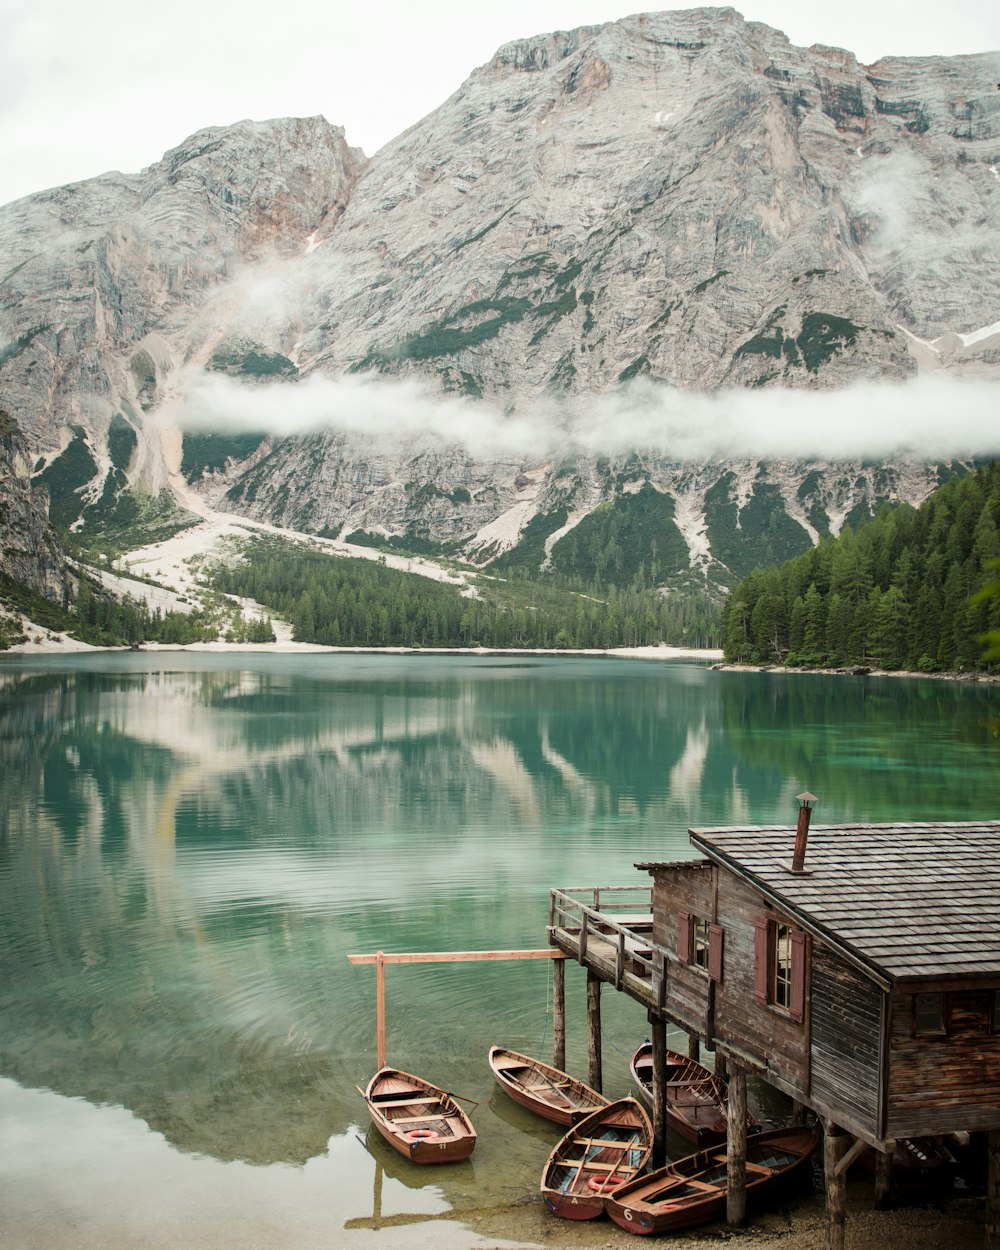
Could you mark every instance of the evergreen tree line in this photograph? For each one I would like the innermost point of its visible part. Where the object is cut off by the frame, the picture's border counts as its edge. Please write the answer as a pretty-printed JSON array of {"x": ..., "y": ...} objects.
[
  {"x": 338, "y": 601},
  {"x": 105, "y": 621},
  {"x": 908, "y": 590}
]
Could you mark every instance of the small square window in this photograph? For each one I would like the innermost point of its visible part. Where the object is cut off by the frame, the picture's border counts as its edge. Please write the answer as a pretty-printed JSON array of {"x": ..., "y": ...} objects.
[{"x": 928, "y": 1015}]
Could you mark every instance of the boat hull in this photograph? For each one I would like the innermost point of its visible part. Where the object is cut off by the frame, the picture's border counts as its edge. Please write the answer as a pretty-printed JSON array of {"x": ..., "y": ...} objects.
[
  {"x": 693, "y": 1190},
  {"x": 419, "y": 1120},
  {"x": 543, "y": 1090},
  {"x": 696, "y": 1097},
  {"x": 603, "y": 1151}
]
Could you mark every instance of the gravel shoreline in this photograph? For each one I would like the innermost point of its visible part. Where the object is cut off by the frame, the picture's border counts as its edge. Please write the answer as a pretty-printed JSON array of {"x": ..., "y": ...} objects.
[{"x": 951, "y": 1222}]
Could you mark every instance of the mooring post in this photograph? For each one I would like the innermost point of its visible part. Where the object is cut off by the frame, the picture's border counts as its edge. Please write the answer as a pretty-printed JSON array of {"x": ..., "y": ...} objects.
[
  {"x": 834, "y": 1142},
  {"x": 559, "y": 1013},
  {"x": 595, "y": 1077},
  {"x": 658, "y": 1036},
  {"x": 380, "y": 1007},
  {"x": 993, "y": 1191},
  {"x": 736, "y": 1147}
]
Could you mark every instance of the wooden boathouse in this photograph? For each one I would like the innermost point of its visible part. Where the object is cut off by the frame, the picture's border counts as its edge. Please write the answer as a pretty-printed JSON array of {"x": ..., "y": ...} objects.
[{"x": 854, "y": 967}]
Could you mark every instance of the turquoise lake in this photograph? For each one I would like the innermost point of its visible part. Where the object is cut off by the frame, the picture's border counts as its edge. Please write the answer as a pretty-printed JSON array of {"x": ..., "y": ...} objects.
[{"x": 190, "y": 845}]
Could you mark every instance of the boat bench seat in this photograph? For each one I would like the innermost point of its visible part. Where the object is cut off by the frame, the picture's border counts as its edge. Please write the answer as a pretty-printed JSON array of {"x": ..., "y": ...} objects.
[
  {"x": 761, "y": 1168},
  {"x": 404, "y": 1102}
]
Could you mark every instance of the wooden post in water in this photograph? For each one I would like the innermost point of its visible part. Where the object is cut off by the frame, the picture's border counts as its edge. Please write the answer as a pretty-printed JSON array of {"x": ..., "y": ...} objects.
[
  {"x": 993, "y": 1191},
  {"x": 736, "y": 1147},
  {"x": 798, "y": 1113},
  {"x": 559, "y": 1014},
  {"x": 658, "y": 1036},
  {"x": 883, "y": 1179},
  {"x": 380, "y": 1007},
  {"x": 380, "y": 959},
  {"x": 694, "y": 1046},
  {"x": 834, "y": 1142},
  {"x": 721, "y": 1066},
  {"x": 595, "y": 1068}
]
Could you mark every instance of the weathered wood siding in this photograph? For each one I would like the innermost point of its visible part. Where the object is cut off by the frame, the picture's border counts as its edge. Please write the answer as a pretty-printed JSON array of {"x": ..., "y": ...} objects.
[
  {"x": 845, "y": 1035},
  {"x": 686, "y": 889},
  {"x": 761, "y": 1035},
  {"x": 759, "y": 1032},
  {"x": 949, "y": 1083}
]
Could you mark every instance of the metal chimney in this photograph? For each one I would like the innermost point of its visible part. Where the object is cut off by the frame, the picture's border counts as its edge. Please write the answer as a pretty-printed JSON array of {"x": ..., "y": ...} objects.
[{"x": 806, "y": 801}]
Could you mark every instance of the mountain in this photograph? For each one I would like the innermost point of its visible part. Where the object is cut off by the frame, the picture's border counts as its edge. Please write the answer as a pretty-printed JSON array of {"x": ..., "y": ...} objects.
[
  {"x": 682, "y": 201},
  {"x": 30, "y": 553}
]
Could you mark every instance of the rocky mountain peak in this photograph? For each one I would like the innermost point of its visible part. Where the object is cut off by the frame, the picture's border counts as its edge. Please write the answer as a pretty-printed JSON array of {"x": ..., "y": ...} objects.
[{"x": 684, "y": 198}]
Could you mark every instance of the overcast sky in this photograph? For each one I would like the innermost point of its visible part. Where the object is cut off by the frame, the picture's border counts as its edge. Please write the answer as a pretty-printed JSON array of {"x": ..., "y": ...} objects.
[{"x": 92, "y": 85}]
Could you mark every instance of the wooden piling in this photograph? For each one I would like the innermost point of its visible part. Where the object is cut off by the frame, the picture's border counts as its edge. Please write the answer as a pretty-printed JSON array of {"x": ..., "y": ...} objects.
[
  {"x": 559, "y": 1014},
  {"x": 834, "y": 1142},
  {"x": 658, "y": 1036},
  {"x": 883, "y": 1178},
  {"x": 694, "y": 1046},
  {"x": 595, "y": 1067},
  {"x": 380, "y": 1007},
  {"x": 736, "y": 1147},
  {"x": 992, "y": 1241},
  {"x": 721, "y": 1066}
]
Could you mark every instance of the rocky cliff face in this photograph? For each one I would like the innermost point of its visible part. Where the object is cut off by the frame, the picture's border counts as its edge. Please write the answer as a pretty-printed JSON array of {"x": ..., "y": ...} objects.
[
  {"x": 684, "y": 197},
  {"x": 30, "y": 553}
]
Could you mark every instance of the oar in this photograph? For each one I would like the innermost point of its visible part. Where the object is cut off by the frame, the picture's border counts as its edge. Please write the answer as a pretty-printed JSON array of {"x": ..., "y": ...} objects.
[{"x": 462, "y": 1098}]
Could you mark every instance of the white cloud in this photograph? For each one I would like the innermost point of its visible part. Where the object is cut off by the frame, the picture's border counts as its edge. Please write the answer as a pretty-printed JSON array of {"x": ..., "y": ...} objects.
[{"x": 930, "y": 417}]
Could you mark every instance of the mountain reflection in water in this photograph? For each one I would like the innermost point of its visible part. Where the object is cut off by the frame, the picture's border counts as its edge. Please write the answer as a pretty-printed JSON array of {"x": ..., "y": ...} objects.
[{"x": 191, "y": 844}]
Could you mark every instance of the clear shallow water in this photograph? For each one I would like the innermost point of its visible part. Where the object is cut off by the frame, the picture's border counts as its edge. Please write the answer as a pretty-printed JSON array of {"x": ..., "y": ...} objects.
[{"x": 190, "y": 846}]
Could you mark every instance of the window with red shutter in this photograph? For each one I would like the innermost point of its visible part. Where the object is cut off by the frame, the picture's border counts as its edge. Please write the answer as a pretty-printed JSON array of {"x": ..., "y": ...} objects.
[
  {"x": 715, "y": 940},
  {"x": 797, "y": 1003},
  {"x": 761, "y": 969},
  {"x": 684, "y": 937}
]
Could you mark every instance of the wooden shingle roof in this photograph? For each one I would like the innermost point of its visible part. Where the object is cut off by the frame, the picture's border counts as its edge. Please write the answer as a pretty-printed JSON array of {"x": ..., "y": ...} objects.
[{"x": 908, "y": 900}]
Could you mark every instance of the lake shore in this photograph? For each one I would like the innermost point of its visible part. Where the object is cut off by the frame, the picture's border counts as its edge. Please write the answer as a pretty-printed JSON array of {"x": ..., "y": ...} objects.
[
  {"x": 949, "y": 1223},
  {"x": 40, "y": 642},
  {"x": 855, "y": 671}
]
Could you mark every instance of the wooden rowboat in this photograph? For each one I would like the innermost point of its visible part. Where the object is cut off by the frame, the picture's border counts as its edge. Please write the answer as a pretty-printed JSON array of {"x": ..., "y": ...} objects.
[
  {"x": 424, "y": 1123},
  {"x": 603, "y": 1151},
  {"x": 696, "y": 1097},
  {"x": 548, "y": 1092},
  {"x": 693, "y": 1190}
]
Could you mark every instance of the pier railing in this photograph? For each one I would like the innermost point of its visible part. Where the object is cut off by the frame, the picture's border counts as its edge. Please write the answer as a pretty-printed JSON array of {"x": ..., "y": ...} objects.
[{"x": 610, "y": 928}]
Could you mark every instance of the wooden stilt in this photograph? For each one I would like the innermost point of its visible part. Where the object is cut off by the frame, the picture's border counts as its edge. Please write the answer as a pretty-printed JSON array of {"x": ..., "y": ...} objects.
[
  {"x": 658, "y": 1036},
  {"x": 993, "y": 1192},
  {"x": 559, "y": 1014},
  {"x": 721, "y": 1066},
  {"x": 834, "y": 1142},
  {"x": 883, "y": 1179},
  {"x": 595, "y": 1067},
  {"x": 694, "y": 1046},
  {"x": 380, "y": 1007},
  {"x": 798, "y": 1114},
  {"x": 736, "y": 1147}
]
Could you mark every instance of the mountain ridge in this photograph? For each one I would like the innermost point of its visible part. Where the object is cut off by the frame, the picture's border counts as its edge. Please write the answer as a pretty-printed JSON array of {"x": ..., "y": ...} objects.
[{"x": 685, "y": 198}]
